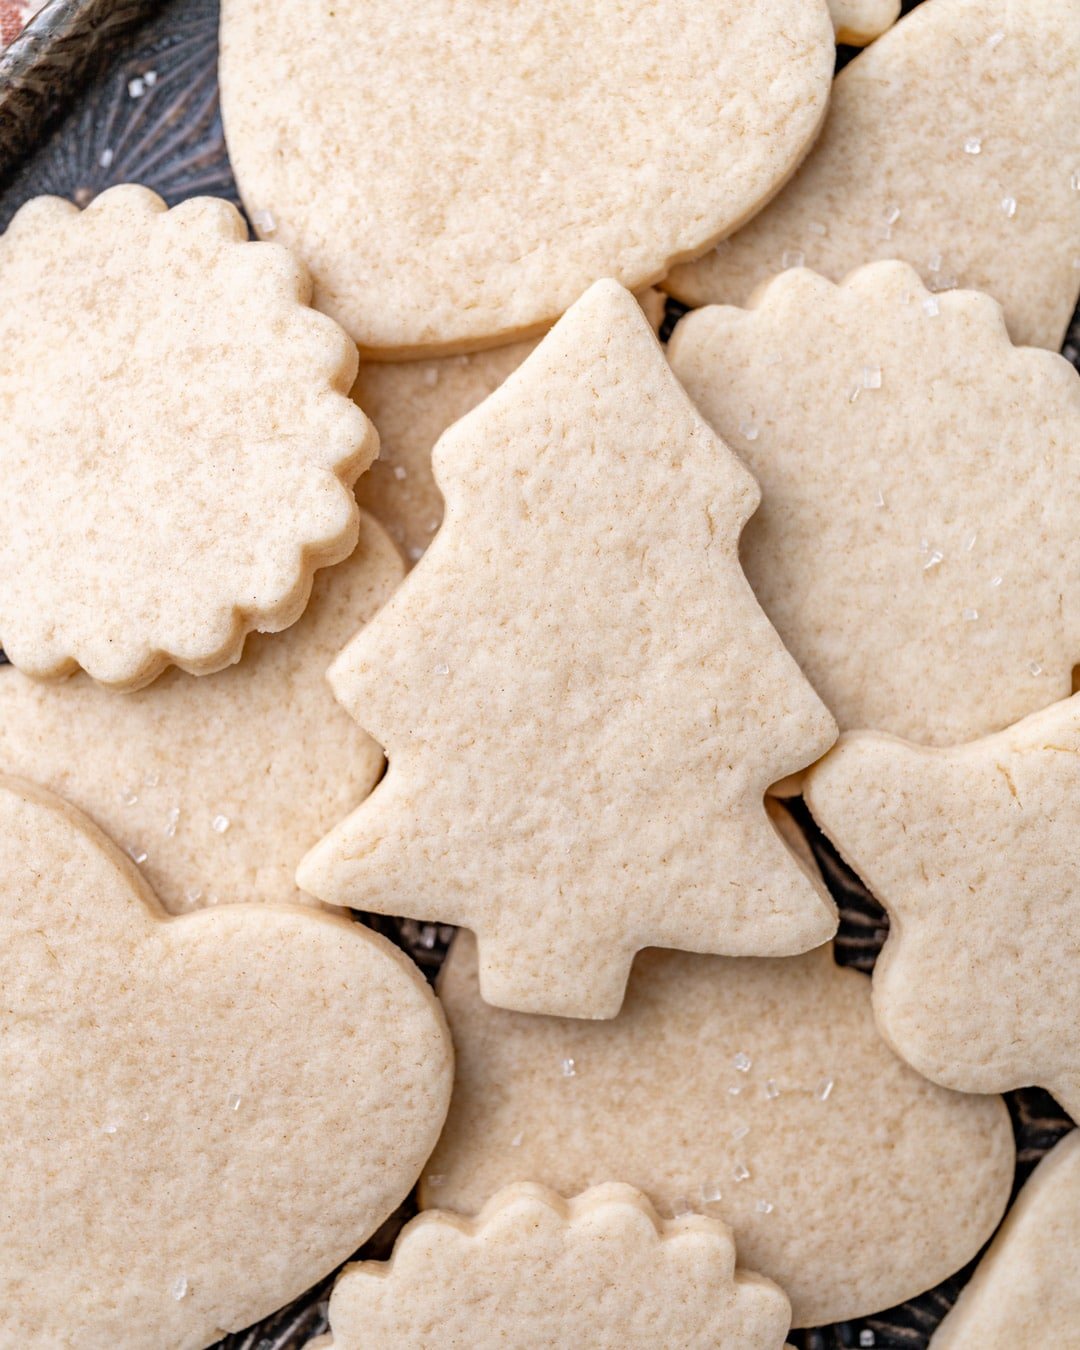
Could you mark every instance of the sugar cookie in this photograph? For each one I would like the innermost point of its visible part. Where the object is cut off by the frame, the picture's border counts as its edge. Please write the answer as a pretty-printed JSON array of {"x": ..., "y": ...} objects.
[
  {"x": 860, "y": 21},
  {"x": 757, "y": 1091},
  {"x": 177, "y": 441},
  {"x": 216, "y": 786},
  {"x": 412, "y": 403},
  {"x": 203, "y": 1115},
  {"x": 602, "y": 1271},
  {"x": 456, "y": 174},
  {"x": 1025, "y": 1291},
  {"x": 918, "y": 475},
  {"x": 581, "y": 702},
  {"x": 953, "y": 144},
  {"x": 974, "y": 851}
]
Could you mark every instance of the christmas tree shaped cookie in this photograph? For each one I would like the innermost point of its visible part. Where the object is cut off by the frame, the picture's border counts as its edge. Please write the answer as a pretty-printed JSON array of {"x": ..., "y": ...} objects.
[
  {"x": 974, "y": 851},
  {"x": 203, "y": 1115},
  {"x": 602, "y": 1271},
  {"x": 757, "y": 1092},
  {"x": 216, "y": 786},
  {"x": 916, "y": 547},
  {"x": 455, "y": 180},
  {"x": 952, "y": 144},
  {"x": 581, "y": 702},
  {"x": 177, "y": 442},
  {"x": 1025, "y": 1291}
]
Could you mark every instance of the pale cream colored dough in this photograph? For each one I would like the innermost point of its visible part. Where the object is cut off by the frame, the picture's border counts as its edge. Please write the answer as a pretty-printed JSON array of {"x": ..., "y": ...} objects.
[
  {"x": 177, "y": 443},
  {"x": 1025, "y": 1292},
  {"x": 216, "y": 786},
  {"x": 412, "y": 403},
  {"x": 202, "y": 1116},
  {"x": 953, "y": 144},
  {"x": 581, "y": 702},
  {"x": 974, "y": 852},
  {"x": 917, "y": 546},
  {"x": 758, "y": 1092},
  {"x": 601, "y": 1271},
  {"x": 457, "y": 173},
  {"x": 860, "y": 21}
]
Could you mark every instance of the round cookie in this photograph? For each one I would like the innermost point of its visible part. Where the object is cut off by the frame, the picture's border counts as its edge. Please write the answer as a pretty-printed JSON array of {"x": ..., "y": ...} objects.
[
  {"x": 457, "y": 172},
  {"x": 757, "y": 1092},
  {"x": 177, "y": 444},
  {"x": 216, "y": 786}
]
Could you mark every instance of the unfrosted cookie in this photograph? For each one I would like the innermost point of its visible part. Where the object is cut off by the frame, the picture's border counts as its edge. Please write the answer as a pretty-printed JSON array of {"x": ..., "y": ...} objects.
[
  {"x": 758, "y": 1092},
  {"x": 412, "y": 403},
  {"x": 177, "y": 439},
  {"x": 860, "y": 21},
  {"x": 917, "y": 539},
  {"x": 601, "y": 1271},
  {"x": 202, "y": 1116},
  {"x": 456, "y": 174},
  {"x": 1025, "y": 1291},
  {"x": 580, "y": 699},
  {"x": 974, "y": 852},
  {"x": 216, "y": 786},
  {"x": 953, "y": 144}
]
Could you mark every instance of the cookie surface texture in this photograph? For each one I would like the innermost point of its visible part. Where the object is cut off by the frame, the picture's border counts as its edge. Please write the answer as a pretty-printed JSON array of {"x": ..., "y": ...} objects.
[
  {"x": 918, "y": 472},
  {"x": 1025, "y": 1291},
  {"x": 974, "y": 853},
  {"x": 216, "y": 786},
  {"x": 602, "y": 1270},
  {"x": 860, "y": 21},
  {"x": 178, "y": 442},
  {"x": 581, "y": 702},
  {"x": 412, "y": 403},
  {"x": 723, "y": 1086},
  {"x": 952, "y": 143},
  {"x": 551, "y": 147},
  {"x": 203, "y": 1115}
]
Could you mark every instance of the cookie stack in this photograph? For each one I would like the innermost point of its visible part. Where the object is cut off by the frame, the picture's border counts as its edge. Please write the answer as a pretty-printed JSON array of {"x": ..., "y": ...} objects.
[{"x": 389, "y": 564}]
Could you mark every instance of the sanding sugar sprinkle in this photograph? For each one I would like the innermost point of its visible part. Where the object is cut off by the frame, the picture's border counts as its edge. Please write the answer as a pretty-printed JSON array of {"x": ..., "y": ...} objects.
[
  {"x": 136, "y": 854},
  {"x": 711, "y": 1193},
  {"x": 740, "y": 1172},
  {"x": 871, "y": 377},
  {"x": 931, "y": 306},
  {"x": 973, "y": 146},
  {"x": 764, "y": 1207},
  {"x": 970, "y": 615},
  {"x": 792, "y": 257},
  {"x": 772, "y": 1090},
  {"x": 1008, "y": 206},
  {"x": 264, "y": 221},
  {"x": 400, "y": 472},
  {"x": 180, "y": 1287},
  {"x": 220, "y": 824},
  {"x": 742, "y": 1062},
  {"x": 234, "y": 1101},
  {"x": 866, "y": 1336},
  {"x": 569, "y": 1069},
  {"x": 823, "y": 1091},
  {"x": 680, "y": 1205},
  {"x": 442, "y": 668},
  {"x": 171, "y": 821}
]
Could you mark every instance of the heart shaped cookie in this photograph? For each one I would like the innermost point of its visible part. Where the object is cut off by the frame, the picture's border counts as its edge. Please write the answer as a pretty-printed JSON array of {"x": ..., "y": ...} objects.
[{"x": 202, "y": 1115}]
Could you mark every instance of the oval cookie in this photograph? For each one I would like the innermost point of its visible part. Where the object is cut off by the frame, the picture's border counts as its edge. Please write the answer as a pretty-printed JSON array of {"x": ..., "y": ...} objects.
[{"x": 457, "y": 172}]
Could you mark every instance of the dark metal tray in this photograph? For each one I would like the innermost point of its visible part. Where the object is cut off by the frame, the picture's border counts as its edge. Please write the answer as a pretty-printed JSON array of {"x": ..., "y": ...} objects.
[{"x": 97, "y": 92}]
